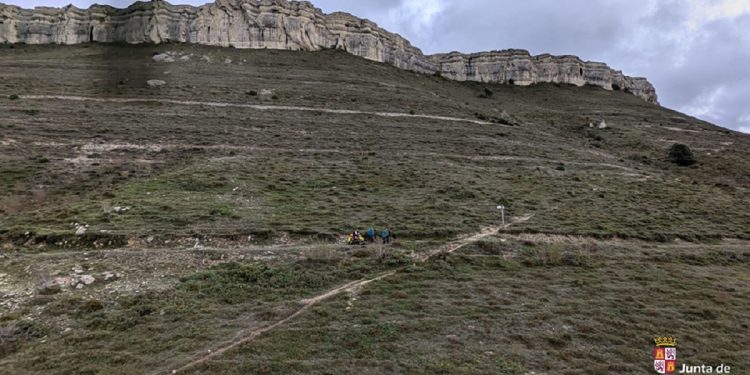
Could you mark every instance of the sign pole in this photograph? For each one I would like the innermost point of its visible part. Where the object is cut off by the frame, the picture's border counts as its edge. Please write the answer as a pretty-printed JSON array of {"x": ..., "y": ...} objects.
[{"x": 502, "y": 213}]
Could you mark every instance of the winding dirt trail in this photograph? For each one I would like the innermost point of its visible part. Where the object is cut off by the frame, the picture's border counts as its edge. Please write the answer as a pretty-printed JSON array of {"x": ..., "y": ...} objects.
[
  {"x": 306, "y": 304},
  {"x": 257, "y": 107}
]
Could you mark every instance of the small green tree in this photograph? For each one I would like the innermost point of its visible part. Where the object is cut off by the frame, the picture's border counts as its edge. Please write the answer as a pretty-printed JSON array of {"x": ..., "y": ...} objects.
[{"x": 681, "y": 155}]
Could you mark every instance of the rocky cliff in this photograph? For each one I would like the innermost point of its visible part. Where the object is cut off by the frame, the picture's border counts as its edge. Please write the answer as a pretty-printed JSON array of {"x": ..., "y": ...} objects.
[{"x": 296, "y": 25}]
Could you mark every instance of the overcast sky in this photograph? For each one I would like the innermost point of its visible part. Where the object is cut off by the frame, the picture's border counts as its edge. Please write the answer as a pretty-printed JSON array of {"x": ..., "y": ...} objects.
[{"x": 696, "y": 52}]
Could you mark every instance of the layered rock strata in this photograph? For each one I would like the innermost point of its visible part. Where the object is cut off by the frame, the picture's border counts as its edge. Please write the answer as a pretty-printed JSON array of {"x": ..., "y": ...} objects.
[{"x": 296, "y": 25}]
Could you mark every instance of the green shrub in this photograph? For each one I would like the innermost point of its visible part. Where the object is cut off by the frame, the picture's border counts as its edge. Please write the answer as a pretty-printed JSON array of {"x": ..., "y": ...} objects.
[
  {"x": 554, "y": 255},
  {"x": 251, "y": 93},
  {"x": 681, "y": 155},
  {"x": 234, "y": 283},
  {"x": 489, "y": 247},
  {"x": 221, "y": 211},
  {"x": 15, "y": 333},
  {"x": 91, "y": 306},
  {"x": 13, "y": 97},
  {"x": 486, "y": 93},
  {"x": 361, "y": 253}
]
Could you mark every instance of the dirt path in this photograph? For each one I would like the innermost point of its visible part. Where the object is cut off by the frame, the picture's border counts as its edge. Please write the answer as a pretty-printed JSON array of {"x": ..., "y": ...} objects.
[
  {"x": 251, "y": 106},
  {"x": 305, "y": 305},
  {"x": 352, "y": 286}
]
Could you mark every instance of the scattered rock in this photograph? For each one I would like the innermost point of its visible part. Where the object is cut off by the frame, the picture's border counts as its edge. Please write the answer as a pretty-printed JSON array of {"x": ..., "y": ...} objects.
[
  {"x": 266, "y": 92},
  {"x": 79, "y": 286},
  {"x": 603, "y": 125},
  {"x": 227, "y": 61},
  {"x": 163, "y": 58},
  {"x": 80, "y": 230},
  {"x": 155, "y": 83},
  {"x": 87, "y": 279},
  {"x": 77, "y": 270},
  {"x": 63, "y": 281},
  {"x": 185, "y": 58},
  {"x": 49, "y": 288},
  {"x": 119, "y": 210},
  {"x": 109, "y": 277},
  {"x": 206, "y": 58}
]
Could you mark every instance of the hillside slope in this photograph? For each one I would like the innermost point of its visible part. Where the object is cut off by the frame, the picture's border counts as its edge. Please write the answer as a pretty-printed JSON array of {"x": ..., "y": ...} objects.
[
  {"x": 209, "y": 205},
  {"x": 234, "y": 171},
  {"x": 297, "y": 26}
]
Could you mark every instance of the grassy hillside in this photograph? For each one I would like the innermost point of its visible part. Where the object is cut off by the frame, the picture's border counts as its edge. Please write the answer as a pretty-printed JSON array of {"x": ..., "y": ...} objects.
[
  {"x": 196, "y": 170},
  {"x": 213, "y": 205}
]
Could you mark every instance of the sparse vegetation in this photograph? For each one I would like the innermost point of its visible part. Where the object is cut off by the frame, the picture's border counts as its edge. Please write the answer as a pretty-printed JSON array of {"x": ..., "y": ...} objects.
[
  {"x": 473, "y": 312},
  {"x": 235, "y": 216},
  {"x": 13, "y": 97},
  {"x": 486, "y": 93}
]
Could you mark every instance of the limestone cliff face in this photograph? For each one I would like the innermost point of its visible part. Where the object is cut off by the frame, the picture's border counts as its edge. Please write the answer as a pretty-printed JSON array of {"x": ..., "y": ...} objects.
[
  {"x": 520, "y": 68},
  {"x": 296, "y": 25}
]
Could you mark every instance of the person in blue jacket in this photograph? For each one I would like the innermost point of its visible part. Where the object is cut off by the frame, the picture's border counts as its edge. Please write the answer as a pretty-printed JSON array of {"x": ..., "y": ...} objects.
[
  {"x": 371, "y": 235},
  {"x": 385, "y": 234}
]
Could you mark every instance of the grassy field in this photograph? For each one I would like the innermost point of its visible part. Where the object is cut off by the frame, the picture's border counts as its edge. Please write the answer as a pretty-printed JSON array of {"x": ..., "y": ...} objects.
[
  {"x": 504, "y": 305},
  {"x": 214, "y": 216},
  {"x": 559, "y": 307}
]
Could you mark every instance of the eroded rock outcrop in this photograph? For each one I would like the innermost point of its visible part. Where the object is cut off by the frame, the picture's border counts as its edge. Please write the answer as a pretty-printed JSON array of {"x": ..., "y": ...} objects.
[
  {"x": 519, "y": 67},
  {"x": 296, "y": 25}
]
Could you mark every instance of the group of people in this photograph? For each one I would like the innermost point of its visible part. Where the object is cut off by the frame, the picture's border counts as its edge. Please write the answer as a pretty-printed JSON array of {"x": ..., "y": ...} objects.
[{"x": 356, "y": 238}]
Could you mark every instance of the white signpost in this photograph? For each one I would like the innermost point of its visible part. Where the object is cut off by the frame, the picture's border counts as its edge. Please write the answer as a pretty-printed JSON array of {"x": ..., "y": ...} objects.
[{"x": 502, "y": 212}]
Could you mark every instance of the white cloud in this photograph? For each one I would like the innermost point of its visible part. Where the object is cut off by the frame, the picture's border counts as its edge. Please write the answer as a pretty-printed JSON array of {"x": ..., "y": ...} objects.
[
  {"x": 419, "y": 14},
  {"x": 744, "y": 123},
  {"x": 705, "y": 11},
  {"x": 416, "y": 20},
  {"x": 705, "y": 105}
]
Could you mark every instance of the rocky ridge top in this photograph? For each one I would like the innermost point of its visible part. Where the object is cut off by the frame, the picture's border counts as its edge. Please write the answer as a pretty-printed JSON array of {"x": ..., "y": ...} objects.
[{"x": 297, "y": 25}]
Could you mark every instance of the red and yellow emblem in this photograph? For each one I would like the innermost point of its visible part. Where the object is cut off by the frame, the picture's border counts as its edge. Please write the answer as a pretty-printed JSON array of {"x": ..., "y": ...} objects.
[{"x": 665, "y": 355}]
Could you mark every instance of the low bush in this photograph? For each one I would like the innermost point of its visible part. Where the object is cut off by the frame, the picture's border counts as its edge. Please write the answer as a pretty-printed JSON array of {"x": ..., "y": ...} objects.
[{"x": 681, "y": 155}]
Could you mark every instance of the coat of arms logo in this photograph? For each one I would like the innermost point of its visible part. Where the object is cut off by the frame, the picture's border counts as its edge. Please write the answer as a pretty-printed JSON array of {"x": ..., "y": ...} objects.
[{"x": 665, "y": 355}]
